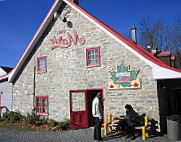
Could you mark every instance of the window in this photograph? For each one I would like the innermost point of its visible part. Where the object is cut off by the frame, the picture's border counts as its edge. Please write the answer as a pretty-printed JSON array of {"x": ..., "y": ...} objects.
[
  {"x": 42, "y": 104},
  {"x": 93, "y": 56},
  {"x": 41, "y": 64}
]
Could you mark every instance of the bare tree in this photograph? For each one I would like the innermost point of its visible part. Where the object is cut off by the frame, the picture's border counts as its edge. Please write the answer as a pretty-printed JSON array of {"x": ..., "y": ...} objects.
[
  {"x": 159, "y": 35},
  {"x": 175, "y": 41},
  {"x": 153, "y": 34}
]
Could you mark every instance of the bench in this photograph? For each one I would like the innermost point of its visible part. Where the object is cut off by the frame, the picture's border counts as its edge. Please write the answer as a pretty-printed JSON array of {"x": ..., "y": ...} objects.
[{"x": 113, "y": 122}]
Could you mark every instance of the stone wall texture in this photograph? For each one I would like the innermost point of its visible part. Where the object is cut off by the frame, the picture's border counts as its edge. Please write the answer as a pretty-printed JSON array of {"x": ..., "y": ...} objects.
[{"x": 67, "y": 70}]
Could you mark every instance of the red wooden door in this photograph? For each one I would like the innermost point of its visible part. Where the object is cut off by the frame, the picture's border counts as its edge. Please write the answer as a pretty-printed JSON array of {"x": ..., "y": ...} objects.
[{"x": 78, "y": 109}]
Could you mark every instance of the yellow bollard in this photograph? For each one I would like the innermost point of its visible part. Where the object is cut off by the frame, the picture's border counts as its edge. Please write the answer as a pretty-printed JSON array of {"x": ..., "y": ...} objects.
[
  {"x": 105, "y": 129},
  {"x": 144, "y": 133},
  {"x": 110, "y": 121},
  {"x": 107, "y": 124}
]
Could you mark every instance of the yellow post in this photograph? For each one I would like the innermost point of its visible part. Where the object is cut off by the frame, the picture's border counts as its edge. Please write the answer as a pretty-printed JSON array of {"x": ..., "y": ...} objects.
[
  {"x": 105, "y": 129},
  {"x": 107, "y": 124},
  {"x": 146, "y": 124},
  {"x": 144, "y": 133},
  {"x": 110, "y": 121}
]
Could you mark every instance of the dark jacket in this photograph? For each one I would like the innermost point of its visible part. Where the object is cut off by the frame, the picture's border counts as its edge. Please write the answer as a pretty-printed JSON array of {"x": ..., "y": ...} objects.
[{"x": 132, "y": 118}]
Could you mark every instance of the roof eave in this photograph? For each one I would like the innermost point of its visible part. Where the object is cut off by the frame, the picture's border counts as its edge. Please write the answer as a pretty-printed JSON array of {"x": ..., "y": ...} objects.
[
  {"x": 4, "y": 77},
  {"x": 161, "y": 73}
]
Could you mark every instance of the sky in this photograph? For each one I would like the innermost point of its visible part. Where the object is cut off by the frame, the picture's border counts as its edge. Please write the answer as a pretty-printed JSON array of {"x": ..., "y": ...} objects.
[{"x": 20, "y": 19}]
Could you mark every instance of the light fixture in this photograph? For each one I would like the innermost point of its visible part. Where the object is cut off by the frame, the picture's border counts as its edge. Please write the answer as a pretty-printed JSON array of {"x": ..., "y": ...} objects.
[{"x": 56, "y": 15}]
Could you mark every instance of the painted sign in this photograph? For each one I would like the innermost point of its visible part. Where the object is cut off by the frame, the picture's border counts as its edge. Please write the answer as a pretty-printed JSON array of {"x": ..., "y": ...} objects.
[
  {"x": 123, "y": 77},
  {"x": 63, "y": 39}
]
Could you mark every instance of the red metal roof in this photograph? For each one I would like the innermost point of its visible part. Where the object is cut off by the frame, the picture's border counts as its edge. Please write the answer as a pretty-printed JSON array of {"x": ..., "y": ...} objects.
[{"x": 164, "y": 53}]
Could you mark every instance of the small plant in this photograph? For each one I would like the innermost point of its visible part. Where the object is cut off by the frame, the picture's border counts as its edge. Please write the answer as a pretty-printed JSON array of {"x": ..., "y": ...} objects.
[
  {"x": 53, "y": 123},
  {"x": 65, "y": 125},
  {"x": 32, "y": 118},
  {"x": 11, "y": 116}
]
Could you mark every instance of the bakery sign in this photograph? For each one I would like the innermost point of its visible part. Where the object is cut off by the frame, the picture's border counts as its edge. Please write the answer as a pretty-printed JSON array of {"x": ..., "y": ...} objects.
[
  {"x": 64, "y": 39},
  {"x": 123, "y": 77}
]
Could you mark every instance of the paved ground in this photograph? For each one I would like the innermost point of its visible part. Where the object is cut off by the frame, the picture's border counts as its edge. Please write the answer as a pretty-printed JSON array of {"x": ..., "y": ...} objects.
[{"x": 83, "y": 135}]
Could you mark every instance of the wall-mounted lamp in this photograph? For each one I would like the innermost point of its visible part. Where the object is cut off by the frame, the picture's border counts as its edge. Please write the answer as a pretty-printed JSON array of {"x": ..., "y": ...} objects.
[
  {"x": 56, "y": 15},
  {"x": 63, "y": 18}
]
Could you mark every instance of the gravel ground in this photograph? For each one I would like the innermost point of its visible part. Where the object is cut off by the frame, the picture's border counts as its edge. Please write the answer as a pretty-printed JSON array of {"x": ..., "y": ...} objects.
[{"x": 83, "y": 135}]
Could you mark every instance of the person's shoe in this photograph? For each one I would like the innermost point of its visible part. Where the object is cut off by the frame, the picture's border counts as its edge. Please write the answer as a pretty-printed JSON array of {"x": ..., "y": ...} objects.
[
  {"x": 117, "y": 133},
  {"x": 99, "y": 139}
]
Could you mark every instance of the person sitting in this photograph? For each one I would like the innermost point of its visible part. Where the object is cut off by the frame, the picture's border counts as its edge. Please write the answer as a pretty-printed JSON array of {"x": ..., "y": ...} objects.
[
  {"x": 129, "y": 122},
  {"x": 132, "y": 119}
]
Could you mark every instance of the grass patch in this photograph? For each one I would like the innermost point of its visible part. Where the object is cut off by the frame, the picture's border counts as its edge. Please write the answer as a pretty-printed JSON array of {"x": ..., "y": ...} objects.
[
  {"x": 7, "y": 126},
  {"x": 31, "y": 122}
]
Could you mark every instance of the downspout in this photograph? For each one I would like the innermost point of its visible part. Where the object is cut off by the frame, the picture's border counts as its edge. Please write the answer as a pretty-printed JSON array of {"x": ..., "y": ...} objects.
[{"x": 34, "y": 86}]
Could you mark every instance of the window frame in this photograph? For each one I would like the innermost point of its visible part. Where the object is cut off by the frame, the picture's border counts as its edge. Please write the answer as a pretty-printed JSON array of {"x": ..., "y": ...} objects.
[
  {"x": 41, "y": 97},
  {"x": 87, "y": 57},
  {"x": 43, "y": 57}
]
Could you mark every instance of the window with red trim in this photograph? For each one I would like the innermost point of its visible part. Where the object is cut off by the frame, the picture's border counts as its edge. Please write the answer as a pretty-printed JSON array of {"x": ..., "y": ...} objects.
[
  {"x": 42, "y": 104},
  {"x": 41, "y": 64},
  {"x": 93, "y": 56}
]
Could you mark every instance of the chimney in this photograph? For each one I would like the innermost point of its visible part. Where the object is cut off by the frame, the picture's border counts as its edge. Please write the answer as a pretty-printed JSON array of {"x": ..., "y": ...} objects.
[
  {"x": 133, "y": 31},
  {"x": 154, "y": 50},
  {"x": 75, "y": 1}
]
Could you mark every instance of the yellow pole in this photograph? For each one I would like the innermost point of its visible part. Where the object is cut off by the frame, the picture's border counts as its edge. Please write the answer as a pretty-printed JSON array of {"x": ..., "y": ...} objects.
[
  {"x": 105, "y": 129},
  {"x": 110, "y": 121},
  {"x": 144, "y": 133},
  {"x": 106, "y": 124},
  {"x": 146, "y": 124}
]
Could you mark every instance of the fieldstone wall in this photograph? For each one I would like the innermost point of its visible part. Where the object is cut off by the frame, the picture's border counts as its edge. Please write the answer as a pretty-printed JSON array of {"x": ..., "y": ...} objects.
[{"x": 67, "y": 70}]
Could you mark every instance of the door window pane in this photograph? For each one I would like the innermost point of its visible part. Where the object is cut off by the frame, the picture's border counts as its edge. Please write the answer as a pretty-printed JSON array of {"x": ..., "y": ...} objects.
[{"x": 78, "y": 101}]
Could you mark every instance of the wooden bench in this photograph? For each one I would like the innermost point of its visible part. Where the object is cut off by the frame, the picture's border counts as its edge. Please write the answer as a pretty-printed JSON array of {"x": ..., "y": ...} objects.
[{"x": 113, "y": 122}]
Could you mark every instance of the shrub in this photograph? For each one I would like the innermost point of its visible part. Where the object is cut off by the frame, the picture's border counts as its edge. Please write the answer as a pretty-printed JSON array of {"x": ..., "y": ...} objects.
[
  {"x": 65, "y": 125},
  {"x": 11, "y": 116},
  {"x": 53, "y": 123},
  {"x": 32, "y": 118}
]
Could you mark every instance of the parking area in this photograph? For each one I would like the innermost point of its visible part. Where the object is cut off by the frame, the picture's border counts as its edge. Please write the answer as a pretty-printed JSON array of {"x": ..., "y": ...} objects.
[{"x": 82, "y": 135}]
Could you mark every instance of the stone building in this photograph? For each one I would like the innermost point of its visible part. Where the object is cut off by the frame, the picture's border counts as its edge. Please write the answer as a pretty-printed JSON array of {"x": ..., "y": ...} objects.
[{"x": 72, "y": 56}]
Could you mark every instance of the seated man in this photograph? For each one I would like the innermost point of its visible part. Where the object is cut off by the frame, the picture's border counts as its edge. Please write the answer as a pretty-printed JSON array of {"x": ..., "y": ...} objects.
[
  {"x": 129, "y": 122},
  {"x": 132, "y": 119}
]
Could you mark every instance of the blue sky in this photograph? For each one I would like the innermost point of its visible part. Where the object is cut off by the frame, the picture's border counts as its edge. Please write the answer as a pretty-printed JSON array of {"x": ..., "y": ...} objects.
[{"x": 19, "y": 19}]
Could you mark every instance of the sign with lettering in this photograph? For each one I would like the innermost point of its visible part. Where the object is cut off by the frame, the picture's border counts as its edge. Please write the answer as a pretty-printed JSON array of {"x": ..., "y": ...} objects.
[
  {"x": 64, "y": 39},
  {"x": 123, "y": 77}
]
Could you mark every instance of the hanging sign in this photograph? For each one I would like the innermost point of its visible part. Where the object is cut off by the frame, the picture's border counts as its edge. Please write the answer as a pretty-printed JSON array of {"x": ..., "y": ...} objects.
[
  {"x": 123, "y": 78},
  {"x": 64, "y": 39}
]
